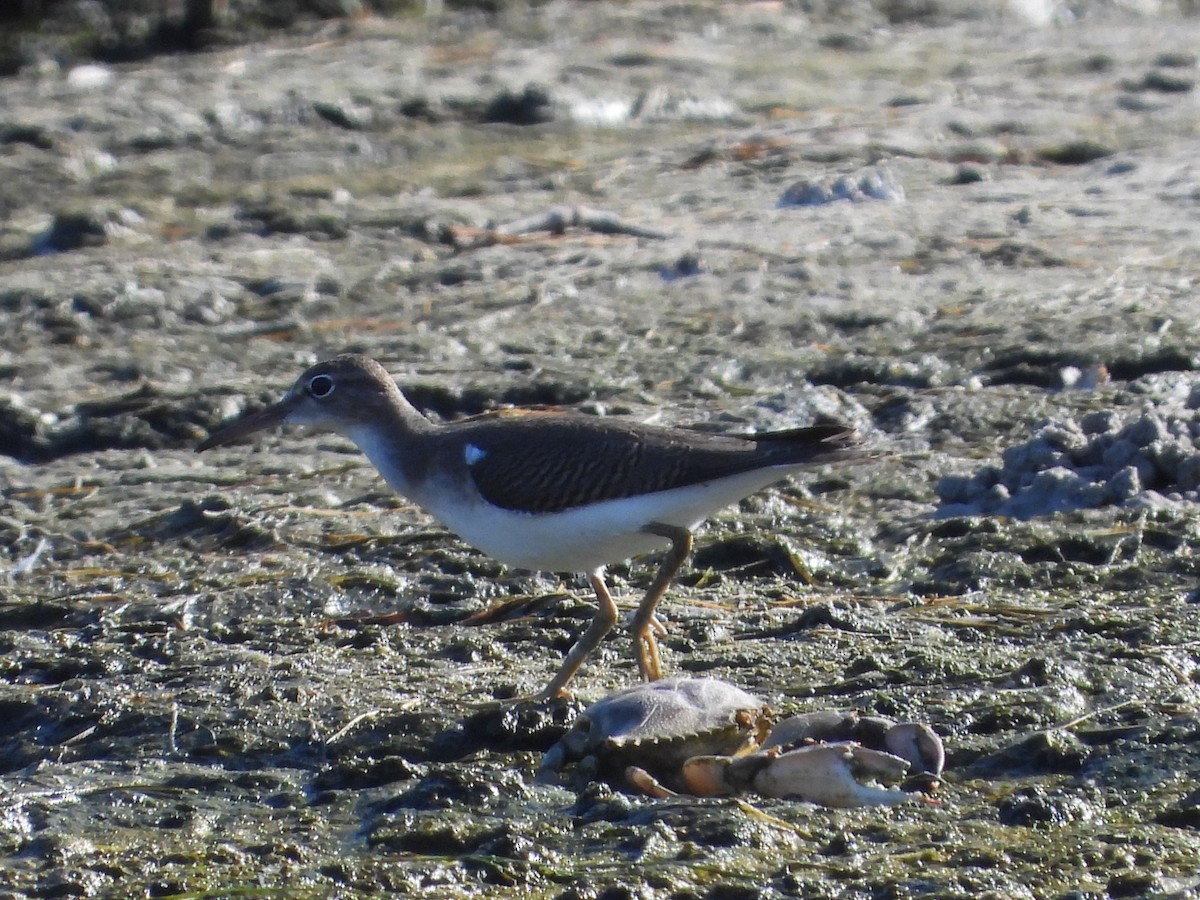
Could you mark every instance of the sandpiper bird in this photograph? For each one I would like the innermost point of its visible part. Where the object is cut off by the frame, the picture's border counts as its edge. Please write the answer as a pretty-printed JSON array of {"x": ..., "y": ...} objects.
[{"x": 551, "y": 491}]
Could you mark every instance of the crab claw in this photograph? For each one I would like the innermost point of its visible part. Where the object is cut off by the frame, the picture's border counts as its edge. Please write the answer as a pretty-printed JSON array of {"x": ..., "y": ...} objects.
[
  {"x": 919, "y": 745},
  {"x": 911, "y": 741},
  {"x": 819, "y": 773}
]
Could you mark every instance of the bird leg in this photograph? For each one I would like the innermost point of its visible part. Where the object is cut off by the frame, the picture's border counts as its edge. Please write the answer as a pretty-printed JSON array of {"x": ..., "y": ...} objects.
[
  {"x": 602, "y": 624},
  {"x": 645, "y": 647}
]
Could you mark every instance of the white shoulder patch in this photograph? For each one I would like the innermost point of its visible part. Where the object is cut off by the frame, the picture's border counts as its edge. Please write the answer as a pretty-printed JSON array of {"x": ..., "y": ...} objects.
[{"x": 473, "y": 454}]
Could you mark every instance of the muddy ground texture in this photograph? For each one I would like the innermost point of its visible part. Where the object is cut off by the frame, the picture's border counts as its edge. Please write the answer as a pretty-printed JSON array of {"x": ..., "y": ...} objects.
[{"x": 251, "y": 673}]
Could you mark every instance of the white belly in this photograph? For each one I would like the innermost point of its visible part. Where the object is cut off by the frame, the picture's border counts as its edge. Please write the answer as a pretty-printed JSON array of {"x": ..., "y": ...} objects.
[{"x": 588, "y": 538}]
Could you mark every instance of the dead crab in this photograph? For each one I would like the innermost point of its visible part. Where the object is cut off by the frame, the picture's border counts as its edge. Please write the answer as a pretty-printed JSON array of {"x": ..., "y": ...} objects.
[
  {"x": 706, "y": 737},
  {"x": 658, "y": 726}
]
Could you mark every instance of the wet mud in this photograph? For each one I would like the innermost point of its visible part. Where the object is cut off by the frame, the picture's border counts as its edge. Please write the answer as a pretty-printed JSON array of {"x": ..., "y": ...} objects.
[{"x": 258, "y": 673}]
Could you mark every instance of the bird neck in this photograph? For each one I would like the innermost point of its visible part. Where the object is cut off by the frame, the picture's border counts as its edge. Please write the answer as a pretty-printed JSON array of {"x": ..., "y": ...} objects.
[{"x": 395, "y": 438}]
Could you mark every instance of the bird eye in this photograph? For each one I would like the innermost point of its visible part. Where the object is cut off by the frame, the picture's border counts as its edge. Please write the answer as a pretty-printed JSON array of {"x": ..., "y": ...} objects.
[{"x": 320, "y": 386}]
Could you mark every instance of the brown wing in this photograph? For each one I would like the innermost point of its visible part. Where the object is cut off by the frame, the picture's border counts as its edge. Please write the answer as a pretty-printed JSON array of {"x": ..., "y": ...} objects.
[{"x": 549, "y": 463}]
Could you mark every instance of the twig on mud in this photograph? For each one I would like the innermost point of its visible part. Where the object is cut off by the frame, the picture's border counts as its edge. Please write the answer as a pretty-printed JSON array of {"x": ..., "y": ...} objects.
[
  {"x": 555, "y": 220},
  {"x": 349, "y": 726},
  {"x": 1079, "y": 720}
]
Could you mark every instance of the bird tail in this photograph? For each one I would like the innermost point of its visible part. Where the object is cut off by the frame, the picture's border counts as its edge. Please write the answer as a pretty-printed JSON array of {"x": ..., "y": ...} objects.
[{"x": 816, "y": 444}]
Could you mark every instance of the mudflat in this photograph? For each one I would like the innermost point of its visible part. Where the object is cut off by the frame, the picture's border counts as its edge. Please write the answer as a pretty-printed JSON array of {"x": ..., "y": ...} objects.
[{"x": 970, "y": 232}]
